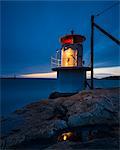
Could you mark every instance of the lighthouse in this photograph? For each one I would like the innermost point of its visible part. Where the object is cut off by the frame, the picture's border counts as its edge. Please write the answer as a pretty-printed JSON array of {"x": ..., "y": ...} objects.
[{"x": 69, "y": 64}]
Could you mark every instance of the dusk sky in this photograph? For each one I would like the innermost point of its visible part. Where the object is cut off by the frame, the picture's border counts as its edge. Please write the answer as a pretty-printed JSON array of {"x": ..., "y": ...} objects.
[{"x": 31, "y": 32}]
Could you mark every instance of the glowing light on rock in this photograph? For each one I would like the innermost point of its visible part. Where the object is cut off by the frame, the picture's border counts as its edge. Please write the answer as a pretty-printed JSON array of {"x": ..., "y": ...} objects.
[{"x": 64, "y": 137}]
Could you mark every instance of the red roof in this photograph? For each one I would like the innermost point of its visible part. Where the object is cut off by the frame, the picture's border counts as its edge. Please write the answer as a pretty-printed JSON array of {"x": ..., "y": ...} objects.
[{"x": 72, "y": 38}]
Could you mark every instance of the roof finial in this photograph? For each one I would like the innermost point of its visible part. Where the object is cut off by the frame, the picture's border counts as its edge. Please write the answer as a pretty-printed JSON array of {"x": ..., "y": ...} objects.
[{"x": 72, "y": 32}]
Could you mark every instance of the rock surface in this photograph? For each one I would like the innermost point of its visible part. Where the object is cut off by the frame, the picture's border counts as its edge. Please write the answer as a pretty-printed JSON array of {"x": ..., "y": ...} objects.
[
  {"x": 97, "y": 144},
  {"x": 46, "y": 119}
]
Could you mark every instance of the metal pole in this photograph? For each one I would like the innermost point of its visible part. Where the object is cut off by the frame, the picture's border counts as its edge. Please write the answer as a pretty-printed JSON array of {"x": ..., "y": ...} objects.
[
  {"x": 92, "y": 50},
  {"x": 107, "y": 34}
]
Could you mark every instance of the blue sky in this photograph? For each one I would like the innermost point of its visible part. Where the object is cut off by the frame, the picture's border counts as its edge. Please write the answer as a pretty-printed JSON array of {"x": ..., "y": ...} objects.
[{"x": 30, "y": 32}]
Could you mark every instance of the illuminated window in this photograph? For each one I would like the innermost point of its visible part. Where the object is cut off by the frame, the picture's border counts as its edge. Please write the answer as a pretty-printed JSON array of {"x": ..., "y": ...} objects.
[{"x": 69, "y": 57}]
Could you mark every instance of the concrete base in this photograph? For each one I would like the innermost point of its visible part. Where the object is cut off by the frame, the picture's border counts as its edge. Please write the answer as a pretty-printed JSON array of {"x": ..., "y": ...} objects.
[{"x": 71, "y": 80}]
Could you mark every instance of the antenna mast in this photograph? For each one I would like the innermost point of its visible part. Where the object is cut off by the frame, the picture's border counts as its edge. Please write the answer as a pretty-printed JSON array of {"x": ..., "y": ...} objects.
[{"x": 92, "y": 50}]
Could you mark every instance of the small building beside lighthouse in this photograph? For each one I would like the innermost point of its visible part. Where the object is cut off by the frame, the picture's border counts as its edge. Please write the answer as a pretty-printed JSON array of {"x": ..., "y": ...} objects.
[{"x": 71, "y": 74}]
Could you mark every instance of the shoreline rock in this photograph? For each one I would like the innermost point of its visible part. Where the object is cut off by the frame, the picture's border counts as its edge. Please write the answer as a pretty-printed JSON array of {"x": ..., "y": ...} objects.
[{"x": 86, "y": 114}]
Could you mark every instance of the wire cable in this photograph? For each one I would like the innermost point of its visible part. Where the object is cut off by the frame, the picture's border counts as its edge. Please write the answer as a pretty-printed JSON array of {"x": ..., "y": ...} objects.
[{"x": 106, "y": 9}]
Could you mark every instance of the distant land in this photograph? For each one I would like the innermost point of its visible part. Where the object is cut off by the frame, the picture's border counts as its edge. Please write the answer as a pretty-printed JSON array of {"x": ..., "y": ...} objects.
[{"x": 112, "y": 78}]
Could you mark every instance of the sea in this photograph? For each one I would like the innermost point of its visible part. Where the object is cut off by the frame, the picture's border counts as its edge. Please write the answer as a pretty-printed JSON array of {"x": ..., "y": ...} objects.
[{"x": 18, "y": 92}]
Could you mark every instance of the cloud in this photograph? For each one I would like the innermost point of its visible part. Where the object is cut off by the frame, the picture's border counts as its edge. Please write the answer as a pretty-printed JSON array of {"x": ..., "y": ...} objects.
[
  {"x": 40, "y": 75},
  {"x": 98, "y": 73},
  {"x": 105, "y": 72}
]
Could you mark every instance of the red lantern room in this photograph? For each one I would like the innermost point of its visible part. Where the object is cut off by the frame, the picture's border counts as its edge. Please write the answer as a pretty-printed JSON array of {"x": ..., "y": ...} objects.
[
  {"x": 72, "y": 50},
  {"x": 72, "y": 39}
]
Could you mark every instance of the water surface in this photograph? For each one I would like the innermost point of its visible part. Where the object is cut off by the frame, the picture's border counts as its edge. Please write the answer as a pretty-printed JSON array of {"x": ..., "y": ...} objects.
[{"x": 16, "y": 93}]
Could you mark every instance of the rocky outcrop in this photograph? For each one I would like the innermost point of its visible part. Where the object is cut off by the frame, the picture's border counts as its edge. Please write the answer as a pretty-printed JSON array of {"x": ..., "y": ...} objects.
[
  {"x": 102, "y": 112},
  {"x": 46, "y": 119}
]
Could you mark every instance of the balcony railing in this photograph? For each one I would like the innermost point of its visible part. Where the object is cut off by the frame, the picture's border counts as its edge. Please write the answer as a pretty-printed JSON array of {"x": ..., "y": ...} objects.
[{"x": 55, "y": 62}]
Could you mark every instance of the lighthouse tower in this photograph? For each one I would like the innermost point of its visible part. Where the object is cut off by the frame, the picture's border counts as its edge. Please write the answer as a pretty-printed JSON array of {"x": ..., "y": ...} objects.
[{"x": 71, "y": 74}]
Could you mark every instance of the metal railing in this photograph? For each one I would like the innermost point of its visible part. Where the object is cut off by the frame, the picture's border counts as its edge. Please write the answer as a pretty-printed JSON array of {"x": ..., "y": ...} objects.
[{"x": 55, "y": 62}]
